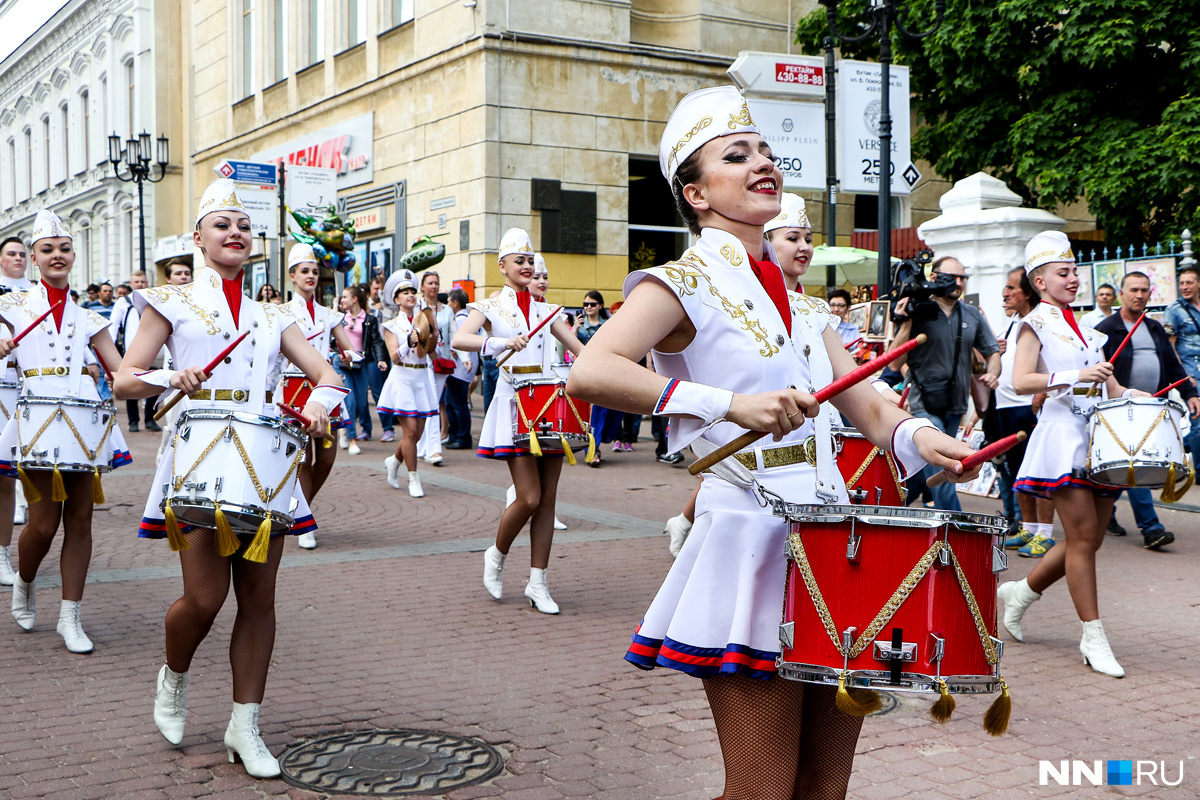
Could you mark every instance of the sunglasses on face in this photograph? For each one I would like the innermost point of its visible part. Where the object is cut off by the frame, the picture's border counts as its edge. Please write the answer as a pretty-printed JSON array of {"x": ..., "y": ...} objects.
[{"x": 590, "y": 305}]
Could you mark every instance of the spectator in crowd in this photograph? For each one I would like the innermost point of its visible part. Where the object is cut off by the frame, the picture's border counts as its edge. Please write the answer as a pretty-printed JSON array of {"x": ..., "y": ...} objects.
[
  {"x": 1106, "y": 295},
  {"x": 267, "y": 293},
  {"x": 179, "y": 271},
  {"x": 940, "y": 369},
  {"x": 1183, "y": 323},
  {"x": 124, "y": 289},
  {"x": 458, "y": 386},
  {"x": 103, "y": 304},
  {"x": 1015, "y": 413},
  {"x": 93, "y": 292},
  {"x": 365, "y": 338},
  {"x": 1147, "y": 364},
  {"x": 839, "y": 304},
  {"x": 586, "y": 324},
  {"x": 123, "y": 327}
]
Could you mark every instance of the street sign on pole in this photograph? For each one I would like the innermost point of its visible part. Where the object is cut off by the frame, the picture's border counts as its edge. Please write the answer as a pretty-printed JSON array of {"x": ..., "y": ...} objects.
[
  {"x": 859, "y": 104},
  {"x": 779, "y": 74},
  {"x": 253, "y": 172}
]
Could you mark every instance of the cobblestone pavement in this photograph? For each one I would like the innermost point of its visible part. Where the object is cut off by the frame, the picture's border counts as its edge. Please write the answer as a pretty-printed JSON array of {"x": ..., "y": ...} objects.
[{"x": 386, "y": 625}]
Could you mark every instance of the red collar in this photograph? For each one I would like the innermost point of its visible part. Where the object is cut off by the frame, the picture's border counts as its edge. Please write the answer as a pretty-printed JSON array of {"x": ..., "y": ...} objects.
[
  {"x": 54, "y": 295},
  {"x": 312, "y": 313},
  {"x": 233, "y": 295},
  {"x": 771, "y": 277},
  {"x": 1069, "y": 316},
  {"x": 524, "y": 298}
]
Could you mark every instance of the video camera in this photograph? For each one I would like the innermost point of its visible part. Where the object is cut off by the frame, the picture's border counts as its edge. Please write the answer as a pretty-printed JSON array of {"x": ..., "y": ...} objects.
[{"x": 908, "y": 281}]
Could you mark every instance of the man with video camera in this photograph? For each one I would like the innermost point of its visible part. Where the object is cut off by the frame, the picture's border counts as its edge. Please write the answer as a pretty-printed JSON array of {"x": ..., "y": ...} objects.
[{"x": 940, "y": 369}]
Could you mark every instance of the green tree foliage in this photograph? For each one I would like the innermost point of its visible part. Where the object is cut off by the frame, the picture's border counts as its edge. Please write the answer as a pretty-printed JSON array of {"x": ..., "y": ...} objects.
[{"x": 1091, "y": 98}]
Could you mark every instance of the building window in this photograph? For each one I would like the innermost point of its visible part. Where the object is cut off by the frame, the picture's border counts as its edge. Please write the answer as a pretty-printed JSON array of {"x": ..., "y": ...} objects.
[
  {"x": 46, "y": 151},
  {"x": 83, "y": 246},
  {"x": 87, "y": 129},
  {"x": 247, "y": 48},
  {"x": 316, "y": 30},
  {"x": 66, "y": 141},
  {"x": 355, "y": 11},
  {"x": 281, "y": 28},
  {"x": 28, "y": 162},
  {"x": 132, "y": 101},
  {"x": 402, "y": 11},
  {"x": 12, "y": 171},
  {"x": 103, "y": 106}
]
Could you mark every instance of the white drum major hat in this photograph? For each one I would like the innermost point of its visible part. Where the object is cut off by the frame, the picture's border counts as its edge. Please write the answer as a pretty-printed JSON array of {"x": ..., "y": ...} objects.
[
  {"x": 515, "y": 240},
  {"x": 699, "y": 118},
  {"x": 1047, "y": 247},
  {"x": 539, "y": 265},
  {"x": 793, "y": 214},
  {"x": 301, "y": 253},
  {"x": 400, "y": 279},
  {"x": 47, "y": 225},
  {"x": 221, "y": 195}
]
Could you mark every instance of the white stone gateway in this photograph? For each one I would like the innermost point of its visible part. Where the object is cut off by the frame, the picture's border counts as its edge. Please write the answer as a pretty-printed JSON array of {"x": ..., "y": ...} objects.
[{"x": 982, "y": 222}]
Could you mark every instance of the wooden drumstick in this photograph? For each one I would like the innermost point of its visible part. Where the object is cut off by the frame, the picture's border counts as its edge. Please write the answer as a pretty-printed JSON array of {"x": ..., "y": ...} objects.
[
  {"x": 1163, "y": 392},
  {"x": 553, "y": 316},
  {"x": 17, "y": 339},
  {"x": 179, "y": 395},
  {"x": 904, "y": 396},
  {"x": 822, "y": 395},
  {"x": 1095, "y": 390},
  {"x": 303, "y": 420},
  {"x": 103, "y": 366},
  {"x": 994, "y": 449}
]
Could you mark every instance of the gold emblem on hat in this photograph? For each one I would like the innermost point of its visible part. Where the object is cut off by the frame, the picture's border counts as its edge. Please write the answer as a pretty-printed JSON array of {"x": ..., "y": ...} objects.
[
  {"x": 742, "y": 119},
  {"x": 687, "y": 137}
]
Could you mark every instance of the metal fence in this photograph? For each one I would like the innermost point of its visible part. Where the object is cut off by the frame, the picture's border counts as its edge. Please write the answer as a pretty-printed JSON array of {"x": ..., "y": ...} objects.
[{"x": 1160, "y": 262}]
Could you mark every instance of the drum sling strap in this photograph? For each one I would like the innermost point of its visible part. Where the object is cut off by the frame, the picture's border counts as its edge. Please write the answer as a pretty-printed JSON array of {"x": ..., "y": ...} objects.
[
  {"x": 535, "y": 447},
  {"x": 995, "y": 721},
  {"x": 58, "y": 489}
]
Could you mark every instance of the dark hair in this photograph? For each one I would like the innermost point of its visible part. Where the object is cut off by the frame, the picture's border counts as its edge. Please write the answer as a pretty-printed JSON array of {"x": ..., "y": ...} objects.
[
  {"x": 360, "y": 294},
  {"x": 178, "y": 261},
  {"x": 263, "y": 290},
  {"x": 688, "y": 172},
  {"x": 1134, "y": 274},
  {"x": 10, "y": 240},
  {"x": 1113, "y": 289},
  {"x": 443, "y": 297},
  {"x": 599, "y": 298},
  {"x": 1195, "y": 273},
  {"x": 458, "y": 296},
  {"x": 91, "y": 287},
  {"x": 1027, "y": 287},
  {"x": 842, "y": 293}
]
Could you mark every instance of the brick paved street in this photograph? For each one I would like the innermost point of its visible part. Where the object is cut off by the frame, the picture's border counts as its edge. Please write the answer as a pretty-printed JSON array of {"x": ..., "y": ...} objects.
[{"x": 386, "y": 625}]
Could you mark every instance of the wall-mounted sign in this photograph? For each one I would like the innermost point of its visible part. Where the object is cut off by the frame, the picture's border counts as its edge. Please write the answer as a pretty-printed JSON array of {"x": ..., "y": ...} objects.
[
  {"x": 262, "y": 204},
  {"x": 858, "y": 110},
  {"x": 347, "y": 148},
  {"x": 370, "y": 220},
  {"x": 445, "y": 202},
  {"x": 779, "y": 74},
  {"x": 796, "y": 133}
]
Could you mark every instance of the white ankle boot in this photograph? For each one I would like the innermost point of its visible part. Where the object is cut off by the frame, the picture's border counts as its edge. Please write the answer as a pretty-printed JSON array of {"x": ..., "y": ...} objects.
[
  {"x": 1016, "y": 596},
  {"x": 414, "y": 485},
  {"x": 23, "y": 605},
  {"x": 678, "y": 528},
  {"x": 393, "y": 471},
  {"x": 538, "y": 593},
  {"x": 71, "y": 629},
  {"x": 242, "y": 740},
  {"x": 6, "y": 571},
  {"x": 170, "y": 703},
  {"x": 493, "y": 571},
  {"x": 1096, "y": 652}
]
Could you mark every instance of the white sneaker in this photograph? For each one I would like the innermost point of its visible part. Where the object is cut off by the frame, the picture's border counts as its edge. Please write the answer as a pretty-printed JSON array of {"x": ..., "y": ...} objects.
[
  {"x": 538, "y": 593},
  {"x": 20, "y": 514},
  {"x": 559, "y": 525},
  {"x": 6, "y": 571},
  {"x": 493, "y": 571},
  {"x": 24, "y": 606},
  {"x": 70, "y": 628},
  {"x": 435, "y": 459},
  {"x": 678, "y": 528},
  {"x": 393, "y": 471},
  {"x": 343, "y": 441},
  {"x": 242, "y": 740},
  {"x": 170, "y": 703},
  {"x": 307, "y": 540},
  {"x": 414, "y": 485},
  {"x": 354, "y": 449},
  {"x": 1096, "y": 652}
]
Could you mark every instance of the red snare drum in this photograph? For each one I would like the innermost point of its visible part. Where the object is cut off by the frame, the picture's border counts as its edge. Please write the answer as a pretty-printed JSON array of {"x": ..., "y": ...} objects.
[
  {"x": 860, "y": 559},
  {"x": 297, "y": 388},
  {"x": 543, "y": 406},
  {"x": 870, "y": 473}
]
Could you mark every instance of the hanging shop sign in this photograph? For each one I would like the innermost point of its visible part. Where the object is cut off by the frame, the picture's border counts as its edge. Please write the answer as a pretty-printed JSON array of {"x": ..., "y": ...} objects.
[
  {"x": 779, "y": 74},
  {"x": 311, "y": 191},
  {"x": 860, "y": 164},
  {"x": 347, "y": 148}
]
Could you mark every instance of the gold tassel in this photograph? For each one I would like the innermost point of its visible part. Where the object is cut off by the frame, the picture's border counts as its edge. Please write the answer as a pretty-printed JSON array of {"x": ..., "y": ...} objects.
[
  {"x": 858, "y": 702},
  {"x": 327, "y": 442},
  {"x": 995, "y": 721},
  {"x": 32, "y": 495},
  {"x": 567, "y": 449},
  {"x": 1187, "y": 481},
  {"x": 174, "y": 535},
  {"x": 1130, "y": 480},
  {"x": 1168, "y": 492},
  {"x": 97, "y": 488},
  {"x": 591, "y": 451},
  {"x": 227, "y": 543},
  {"x": 58, "y": 492},
  {"x": 257, "y": 551},
  {"x": 945, "y": 705},
  {"x": 535, "y": 447}
]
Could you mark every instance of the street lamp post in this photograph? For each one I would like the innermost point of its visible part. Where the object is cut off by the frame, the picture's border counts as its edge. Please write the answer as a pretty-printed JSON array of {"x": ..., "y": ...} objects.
[
  {"x": 136, "y": 156},
  {"x": 883, "y": 16}
]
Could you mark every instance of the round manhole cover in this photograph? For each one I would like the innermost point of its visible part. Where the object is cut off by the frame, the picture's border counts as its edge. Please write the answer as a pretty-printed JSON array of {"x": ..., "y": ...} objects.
[
  {"x": 890, "y": 704},
  {"x": 390, "y": 763}
]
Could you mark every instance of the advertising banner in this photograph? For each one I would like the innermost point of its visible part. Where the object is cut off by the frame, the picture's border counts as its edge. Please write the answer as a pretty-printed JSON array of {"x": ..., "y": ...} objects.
[
  {"x": 858, "y": 110},
  {"x": 309, "y": 190},
  {"x": 796, "y": 133}
]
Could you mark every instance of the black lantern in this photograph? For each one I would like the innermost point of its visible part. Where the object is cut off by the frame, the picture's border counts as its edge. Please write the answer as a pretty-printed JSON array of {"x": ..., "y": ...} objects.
[{"x": 139, "y": 170}]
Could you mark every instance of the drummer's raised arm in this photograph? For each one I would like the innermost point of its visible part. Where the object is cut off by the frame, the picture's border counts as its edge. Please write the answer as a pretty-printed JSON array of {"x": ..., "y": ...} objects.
[{"x": 565, "y": 334}]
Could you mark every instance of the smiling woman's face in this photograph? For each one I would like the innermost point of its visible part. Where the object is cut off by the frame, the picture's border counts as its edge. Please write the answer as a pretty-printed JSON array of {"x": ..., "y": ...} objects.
[
  {"x": 739, "y": 181},
  {"x": 224, "y": 237},
  {"x": 54, "y": 257}
]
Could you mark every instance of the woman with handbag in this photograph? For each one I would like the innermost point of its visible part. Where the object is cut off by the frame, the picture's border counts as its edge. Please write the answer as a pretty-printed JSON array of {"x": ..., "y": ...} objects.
[
  {"x": 586, "y": 324},
  {"x": 441, "y": 361},
  {"x": 362, "y": 329}
]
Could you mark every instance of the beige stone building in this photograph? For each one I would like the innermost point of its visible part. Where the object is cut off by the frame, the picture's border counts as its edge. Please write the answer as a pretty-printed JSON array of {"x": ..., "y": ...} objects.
[{"x": 466, "y": 118}]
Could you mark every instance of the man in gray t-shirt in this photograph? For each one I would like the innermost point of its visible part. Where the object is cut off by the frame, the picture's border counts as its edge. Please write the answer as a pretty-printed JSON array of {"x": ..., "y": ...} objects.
[{"x": 941, "y": 384}]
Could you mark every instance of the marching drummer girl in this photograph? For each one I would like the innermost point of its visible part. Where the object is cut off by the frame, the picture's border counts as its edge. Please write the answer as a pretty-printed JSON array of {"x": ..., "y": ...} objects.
[
  {"x": 318, "y": 324},
  {"x": 51, "y": 360},
  {"x": 790, "y": 234},
  {"x": 1056, "y": 355},
  {"x": 13, "y": 507},
  {"x": 197, "y": 322},
  {"x": 727, "y": 352},
  {"x": 408, "y": 392},
  {"x": 509, "y": 318}
]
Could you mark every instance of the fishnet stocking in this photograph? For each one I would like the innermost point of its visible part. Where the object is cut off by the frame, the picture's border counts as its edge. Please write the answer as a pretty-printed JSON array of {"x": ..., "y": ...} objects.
[
  {"x": 206, "y": 580},
  {"x": 780, "y": 739}
]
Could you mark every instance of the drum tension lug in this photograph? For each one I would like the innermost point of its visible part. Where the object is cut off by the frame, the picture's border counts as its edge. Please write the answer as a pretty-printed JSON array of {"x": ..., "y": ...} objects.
[
  {"x": 938, "y": 648},
  {"x": 276, "y": 443},
  {"x": 999, "y": 559},
  {"x": 853, "y": 543},
  {"x": 943, "y": 558},
  {"x": 787, "y": 635},
  {"x": 186, "y": 433},
  {"x": 999, "y": 645},
  {"x": 858, "y": 496}
]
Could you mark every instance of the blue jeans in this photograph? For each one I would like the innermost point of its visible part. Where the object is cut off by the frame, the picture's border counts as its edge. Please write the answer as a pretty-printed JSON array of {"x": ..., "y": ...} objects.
[
  {"x": 491, "y": 374},
  {"x": 1191, "y": 365},
  {"x": 375, "y": 379},
  {"x": 356, "y": 402},
  {"x": 945, "y": 496},
  {"x": 1144, "y": 515}
]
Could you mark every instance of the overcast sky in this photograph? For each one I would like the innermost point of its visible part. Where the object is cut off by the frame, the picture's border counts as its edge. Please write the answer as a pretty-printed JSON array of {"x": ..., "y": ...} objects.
[{"x": 19, "y": 19}]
